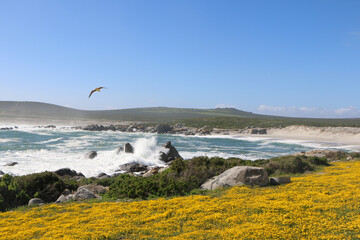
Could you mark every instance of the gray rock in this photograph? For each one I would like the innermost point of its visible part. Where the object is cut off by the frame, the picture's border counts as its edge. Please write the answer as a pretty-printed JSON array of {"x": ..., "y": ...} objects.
[
  {"x": 91, "y": 154},
  {"x": 128, "y": 148},
  {"x": 83, "y": 194},
  {"x": 66, "y": 192},
  {"x": 163, "y": 128},
  {"x": 171, "y": 154},
  {"x": 132, "y": 167},
  {"x": 179, "y": 125},
  {"x": 102, "y": 176},
  {"x": 279, "y": 180},
  {"x": 1, "y": 172},
  {"x": 258, "y": 131},
  {"x": 11, "y": 164},
  {"x": 35, "y": 201},
  {"x": 119, "y": 149},
  {"x": 238, "y": 175},
  {"x": 61, "y": 199},
  {"x": 97, "y": 189}
]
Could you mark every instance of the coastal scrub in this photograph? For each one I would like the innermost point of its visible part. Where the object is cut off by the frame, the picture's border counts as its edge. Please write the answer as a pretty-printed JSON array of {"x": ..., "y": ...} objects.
[{"x": 322, "y": 205}]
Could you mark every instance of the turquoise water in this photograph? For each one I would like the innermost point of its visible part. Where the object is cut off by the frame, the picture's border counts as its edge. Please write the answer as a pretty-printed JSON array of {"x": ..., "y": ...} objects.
[{"x": 40, "y": 149}]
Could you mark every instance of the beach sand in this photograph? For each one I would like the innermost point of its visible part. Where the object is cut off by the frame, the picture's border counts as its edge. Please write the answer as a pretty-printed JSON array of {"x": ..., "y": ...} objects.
[{"x": 348, "y": 137}]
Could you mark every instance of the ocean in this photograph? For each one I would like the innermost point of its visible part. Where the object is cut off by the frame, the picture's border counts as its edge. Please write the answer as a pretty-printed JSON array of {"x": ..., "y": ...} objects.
[{"x": 49, "y": 149}]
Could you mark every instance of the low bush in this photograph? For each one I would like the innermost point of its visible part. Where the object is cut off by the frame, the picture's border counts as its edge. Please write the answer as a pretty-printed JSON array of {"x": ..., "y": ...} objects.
[
  {"x": 293, "y": 164},
  {"x": 46, "y": 185},
  {"x": 11, "y": 195}
]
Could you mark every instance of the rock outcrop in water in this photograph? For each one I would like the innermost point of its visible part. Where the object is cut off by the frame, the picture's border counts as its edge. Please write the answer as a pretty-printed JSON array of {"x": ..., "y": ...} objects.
[
  {"x": 128, "y": 148},
  {"x": 91, "y": 155},
  {"x": 11, "y": 164},
  {"x": 171, "y": 153},
  {"x": 132, "y": 167}
]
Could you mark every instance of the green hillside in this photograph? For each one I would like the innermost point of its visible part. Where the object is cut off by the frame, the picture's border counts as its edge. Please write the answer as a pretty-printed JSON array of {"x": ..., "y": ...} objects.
[{"x": 220, "y": 117}]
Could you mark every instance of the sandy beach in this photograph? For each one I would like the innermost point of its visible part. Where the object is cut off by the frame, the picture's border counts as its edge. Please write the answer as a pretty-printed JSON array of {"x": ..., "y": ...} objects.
[{"x": 338, "y": 136}]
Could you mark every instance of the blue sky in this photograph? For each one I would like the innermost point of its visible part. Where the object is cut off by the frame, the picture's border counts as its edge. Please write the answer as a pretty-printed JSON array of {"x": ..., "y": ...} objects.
[{"x": 292, "y": 58}]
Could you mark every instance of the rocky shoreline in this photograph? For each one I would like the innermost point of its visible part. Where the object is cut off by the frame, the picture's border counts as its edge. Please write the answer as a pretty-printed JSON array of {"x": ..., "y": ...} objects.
[{"x": 171, "y": 129}]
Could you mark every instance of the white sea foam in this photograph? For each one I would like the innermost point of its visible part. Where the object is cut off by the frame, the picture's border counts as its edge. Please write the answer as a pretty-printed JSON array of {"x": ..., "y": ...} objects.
[{"x": 57, "y": 148}]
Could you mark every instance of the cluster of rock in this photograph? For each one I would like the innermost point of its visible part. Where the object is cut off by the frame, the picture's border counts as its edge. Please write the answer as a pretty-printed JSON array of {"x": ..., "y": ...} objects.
[
  {"x": 7, "y": 128},
  {"x": 169, "y": 155},
  {"x": 240, "y": 175},
  {"x": 168, "y": 129},
  {"x": 84, "y": 192}
]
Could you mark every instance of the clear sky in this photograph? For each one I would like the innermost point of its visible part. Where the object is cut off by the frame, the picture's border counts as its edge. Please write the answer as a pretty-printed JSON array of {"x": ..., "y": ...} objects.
[{"x": 282, "y": 57}]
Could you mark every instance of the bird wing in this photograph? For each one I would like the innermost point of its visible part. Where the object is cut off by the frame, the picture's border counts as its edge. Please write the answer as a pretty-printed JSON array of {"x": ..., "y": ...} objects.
[{"x": 92, "y": 92}]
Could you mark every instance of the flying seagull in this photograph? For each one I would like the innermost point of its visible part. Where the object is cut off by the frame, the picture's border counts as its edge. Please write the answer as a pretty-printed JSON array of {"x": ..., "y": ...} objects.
[{"x": 96, "y": 89}]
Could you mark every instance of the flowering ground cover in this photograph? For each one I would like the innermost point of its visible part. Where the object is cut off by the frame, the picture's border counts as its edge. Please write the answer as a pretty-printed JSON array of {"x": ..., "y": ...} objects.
[{"x": 321, "y": 205}]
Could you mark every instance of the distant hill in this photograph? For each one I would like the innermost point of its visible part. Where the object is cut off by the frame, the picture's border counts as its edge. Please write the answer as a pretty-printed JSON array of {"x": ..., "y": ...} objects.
[
  {"x": 44, "y": 110},
  {"x": 219, "y": 117}
]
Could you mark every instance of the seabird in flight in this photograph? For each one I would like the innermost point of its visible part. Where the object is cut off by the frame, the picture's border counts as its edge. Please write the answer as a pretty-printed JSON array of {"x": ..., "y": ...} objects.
[{"x": 96, "y": 89}]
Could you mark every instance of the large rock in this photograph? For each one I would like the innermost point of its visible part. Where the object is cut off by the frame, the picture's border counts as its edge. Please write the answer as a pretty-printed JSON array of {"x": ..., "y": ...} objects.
[
  {"x": 132, "y": 167},
  {"x": 35, "y": 201},
  {"x": 171, "y": 153},
  {"x": 97, "y": 189},
  {"x": 83, "y": 194},
  {"x": 1, "y": 172},
  {"x": 128, "y": 148},
  {"x": 163, "y": 128},
  {"x": 91, "y": 155},
  {"x": 238, "y": 175}
]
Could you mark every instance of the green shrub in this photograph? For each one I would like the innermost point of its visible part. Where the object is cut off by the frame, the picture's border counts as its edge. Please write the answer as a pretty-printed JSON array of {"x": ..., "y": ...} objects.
[
  {"x": 293, "y": 164},
  {"x": 46, "y": 185},
  {"x": 180, "y": 179},
  {"x": 11, "y": 195}
]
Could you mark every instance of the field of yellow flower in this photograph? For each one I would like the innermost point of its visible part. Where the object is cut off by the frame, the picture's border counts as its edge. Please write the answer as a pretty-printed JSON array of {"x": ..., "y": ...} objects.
[{"x": 322, "y": 205}]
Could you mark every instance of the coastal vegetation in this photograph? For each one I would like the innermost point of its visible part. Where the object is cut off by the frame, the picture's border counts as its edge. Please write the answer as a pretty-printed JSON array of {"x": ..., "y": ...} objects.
[
  {"x": 320, "y": 205},
  {"x": 183, "y": 177}
]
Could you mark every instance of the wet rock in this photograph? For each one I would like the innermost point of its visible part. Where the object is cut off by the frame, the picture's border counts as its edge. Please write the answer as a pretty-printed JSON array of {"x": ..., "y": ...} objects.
[
  {"x": 6, "y": 128},
  {"x": 128, "y": 148},
  {"x": 238, "y": 175},
  {"x": 163, "y": 128},
  {"x": 132, "y": 167},
  {"x": 35, "y": 201},
  {"x": 91, "y": 154},
  {"x": 94, "y": 127},
  {"x": 171, "y": 153},
  {"x": 102, "y": 176},
  {"x": 11, "y": 164},
  {"x": 119, "y": 149},
  {"x": 1, "y": 172}
]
